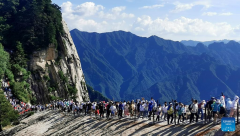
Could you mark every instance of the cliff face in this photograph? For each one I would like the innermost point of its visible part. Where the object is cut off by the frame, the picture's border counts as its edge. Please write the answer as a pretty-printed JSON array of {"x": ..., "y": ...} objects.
[{"x": 56, "y": 68}]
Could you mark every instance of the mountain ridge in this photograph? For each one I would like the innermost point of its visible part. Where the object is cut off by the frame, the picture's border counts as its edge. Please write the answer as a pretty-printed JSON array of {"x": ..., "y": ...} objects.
[{"x": 131, "y": 67}]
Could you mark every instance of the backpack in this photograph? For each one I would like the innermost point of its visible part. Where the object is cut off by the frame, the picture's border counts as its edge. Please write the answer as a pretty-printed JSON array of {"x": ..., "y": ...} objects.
[
  {"x": 190, "y": 107},
  {"x": 222, "y": 110},
  {"x": 180, "y": 111},
  {"x": 170, "y": 111}
]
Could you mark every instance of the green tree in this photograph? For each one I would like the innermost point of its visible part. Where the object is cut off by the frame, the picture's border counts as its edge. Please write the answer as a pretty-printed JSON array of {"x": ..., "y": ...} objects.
[
  {"x": 7, "y": 113},
  {"x": 19, "y": 57},
  {"x": 4, "y": 59}
]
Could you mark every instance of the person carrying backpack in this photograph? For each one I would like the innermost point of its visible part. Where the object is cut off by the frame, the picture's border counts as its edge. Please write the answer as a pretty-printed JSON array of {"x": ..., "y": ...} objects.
[
  {"x": 170, "y": 113},
  {"x": 209, "y": 108},
  {"x": 216, "y": 108}
]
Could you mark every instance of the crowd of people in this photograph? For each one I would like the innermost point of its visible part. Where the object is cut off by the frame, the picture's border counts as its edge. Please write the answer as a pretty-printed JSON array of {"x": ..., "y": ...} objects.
[
  {"x": 215, "y": 109},
  {"x": 212, "y": 110},
  {"x": 18, "y": 105}
]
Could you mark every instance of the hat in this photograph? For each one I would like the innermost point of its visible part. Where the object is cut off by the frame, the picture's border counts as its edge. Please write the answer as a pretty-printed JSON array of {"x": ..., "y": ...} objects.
[
  {"x": 203, "y": 101},
  {"x": 170, "y": 103},
  {"x": 214, "y": 100}
]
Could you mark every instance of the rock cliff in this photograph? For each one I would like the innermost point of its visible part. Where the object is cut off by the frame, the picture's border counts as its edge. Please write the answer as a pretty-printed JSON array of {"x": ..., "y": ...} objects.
[{"x": 56, "y": 69}]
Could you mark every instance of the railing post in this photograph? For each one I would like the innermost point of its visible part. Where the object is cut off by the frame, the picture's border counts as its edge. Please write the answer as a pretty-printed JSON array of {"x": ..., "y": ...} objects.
[
  {"x": 205, "y": 114},
  {"x": 175, "y": 113},
  {"x": 209, "y": 116},
  {"x": 237, "y": 113},
  {"x": 135, "y": 111}
]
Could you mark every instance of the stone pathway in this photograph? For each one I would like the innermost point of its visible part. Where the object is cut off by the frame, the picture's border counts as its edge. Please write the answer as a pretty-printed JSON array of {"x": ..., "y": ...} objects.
[{"x": 58, "y": 124}]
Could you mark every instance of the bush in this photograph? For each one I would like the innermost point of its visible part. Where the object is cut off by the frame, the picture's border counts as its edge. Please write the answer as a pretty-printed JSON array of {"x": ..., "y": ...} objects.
[
  {"x": 54, "y": 98},
  {"x": 20, "y": 91},
  {"x": 33, "y": 100},
  {"x": 62, "y": 77},
  {"x": 46, "y": 78}
]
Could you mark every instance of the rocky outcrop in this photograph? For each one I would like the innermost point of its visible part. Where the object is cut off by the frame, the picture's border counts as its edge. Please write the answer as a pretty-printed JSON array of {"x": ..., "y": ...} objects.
[{"x": 57, "y": 67}]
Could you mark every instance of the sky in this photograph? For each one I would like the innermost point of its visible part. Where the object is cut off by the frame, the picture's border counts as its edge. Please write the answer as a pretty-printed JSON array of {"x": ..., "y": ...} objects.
[{"x": 200, "y": 20}]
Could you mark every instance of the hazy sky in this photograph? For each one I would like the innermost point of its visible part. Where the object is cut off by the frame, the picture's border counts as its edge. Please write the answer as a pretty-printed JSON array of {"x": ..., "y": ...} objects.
[{"x": 176, "y": 20}]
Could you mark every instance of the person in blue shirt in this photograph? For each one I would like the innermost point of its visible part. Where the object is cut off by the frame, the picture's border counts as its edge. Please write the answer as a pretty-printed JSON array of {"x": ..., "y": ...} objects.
[
  {"x": 216, "y": 108},
  {"x": 150, "y": 108},
  {"x": 180, "y": 112},
  {"x": 120, "y": 110}
]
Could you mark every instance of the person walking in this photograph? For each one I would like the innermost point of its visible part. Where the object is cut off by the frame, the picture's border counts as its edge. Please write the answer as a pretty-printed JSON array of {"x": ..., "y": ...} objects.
[
  {"x": 164, "y": 111},
  {"x": 234, "y": 106},
  {"x": 200, "y": 108},
  {"x": 120, "y": 110},
  {"x": 142, "y": 110},
  {"x": 194, "y": 111},
  {"x": 216, "y": 108},
  {"x": 158, "y": 111},
  {"x": 170, "y": 113},
  {"x": 181, "y": 111},
  {"x": 228, "y": 107}
]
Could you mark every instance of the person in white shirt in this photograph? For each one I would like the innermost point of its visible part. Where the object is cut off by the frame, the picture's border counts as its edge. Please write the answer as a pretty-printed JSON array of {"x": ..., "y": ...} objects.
[
  {"x": 194, "y": 111},
  {"x": 228, "y": 106},
  {"x": 146, "y": 110},
  {"x": 158, "y": 111},
  {"x": 234, "y": 106},
  {"x": 164, "y": 111},
  {"x": 124, "y": 104},
  {"x": 142, "y": 104},
  {"x": 113, "y": 110}
]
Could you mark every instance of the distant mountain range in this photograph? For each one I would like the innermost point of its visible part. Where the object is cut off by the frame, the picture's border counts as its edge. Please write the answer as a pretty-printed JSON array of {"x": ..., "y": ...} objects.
[
  {"x": 124, "y": 66},
  {"x": 194, "y": 43}
]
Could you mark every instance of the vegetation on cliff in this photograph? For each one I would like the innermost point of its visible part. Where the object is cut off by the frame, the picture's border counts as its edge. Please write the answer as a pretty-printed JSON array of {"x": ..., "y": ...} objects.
[{"x": 26, "y": 26}]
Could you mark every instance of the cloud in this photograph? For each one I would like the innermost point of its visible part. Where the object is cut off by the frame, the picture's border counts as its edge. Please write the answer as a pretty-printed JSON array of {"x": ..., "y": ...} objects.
[
  {"x": 209, "y": 14},
  {"x": 67, "y": 7},
  {"x": 181, "y": 27},
  {"x": 88, "y": 9},
  {"x": 151, "y": 7},
  {"x": 117, "y": 10},
  {"x": 100, "y": 19},
  {"x": 226, "y": 14},
  {"x": 115, "y": 13},
  {"x": 182, "y": 7},
  {"x": 215, "y": 13}
]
